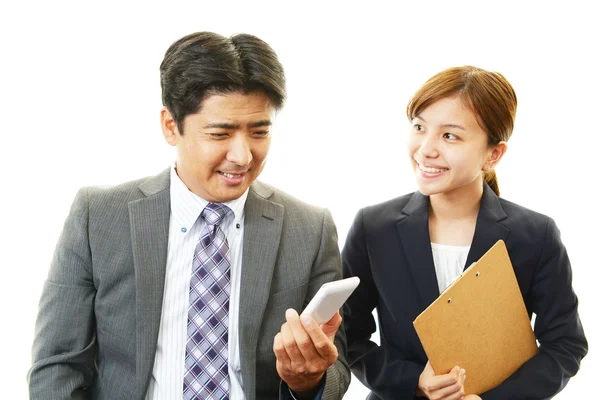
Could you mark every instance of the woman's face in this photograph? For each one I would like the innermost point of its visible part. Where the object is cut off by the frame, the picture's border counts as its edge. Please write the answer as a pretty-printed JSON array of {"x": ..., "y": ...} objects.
[{"x": 448, "y": 149}]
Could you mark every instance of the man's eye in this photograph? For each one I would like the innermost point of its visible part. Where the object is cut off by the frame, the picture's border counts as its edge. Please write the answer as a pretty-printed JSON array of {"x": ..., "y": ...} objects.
[
  {"x": 261, "y": 133},
  {"x": 219, "y": 135}
]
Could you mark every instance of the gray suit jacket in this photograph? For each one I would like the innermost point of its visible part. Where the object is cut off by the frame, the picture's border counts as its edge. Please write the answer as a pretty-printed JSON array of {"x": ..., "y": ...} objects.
[{"x": 100, "y": 309}]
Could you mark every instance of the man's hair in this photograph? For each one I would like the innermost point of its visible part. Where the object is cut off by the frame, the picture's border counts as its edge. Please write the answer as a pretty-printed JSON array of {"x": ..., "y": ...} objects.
[{"x": 204, "y": 63}]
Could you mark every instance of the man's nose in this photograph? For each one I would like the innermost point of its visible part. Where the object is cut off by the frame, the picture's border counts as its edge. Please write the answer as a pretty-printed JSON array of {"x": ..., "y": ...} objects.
[{"x": 239, "y": 151}]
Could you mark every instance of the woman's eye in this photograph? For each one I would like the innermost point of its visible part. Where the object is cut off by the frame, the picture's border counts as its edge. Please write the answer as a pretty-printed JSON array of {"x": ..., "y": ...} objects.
[
  {"x": 450, "y": 136},
  {"x": 419, "y": 127}
]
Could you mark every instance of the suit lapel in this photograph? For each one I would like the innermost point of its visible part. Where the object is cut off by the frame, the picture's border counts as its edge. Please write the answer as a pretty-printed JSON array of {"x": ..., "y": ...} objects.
[
  {"x": 413, "y": 229},
  {"x": 263, "y": 222},
  {"x": 488, "y": 230},
  {"x": 149, "y": 219}
]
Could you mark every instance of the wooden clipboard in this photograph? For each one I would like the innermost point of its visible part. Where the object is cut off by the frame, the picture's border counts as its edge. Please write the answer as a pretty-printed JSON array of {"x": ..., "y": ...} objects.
[{"x": 479, "y": 323}]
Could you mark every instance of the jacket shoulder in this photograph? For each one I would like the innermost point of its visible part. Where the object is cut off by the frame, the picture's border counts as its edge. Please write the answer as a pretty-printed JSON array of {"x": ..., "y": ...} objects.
[
  {"x": 389, "y": 210},
  {"x": 288, "y": 201},
  {"x": 522, "y": 217},
  {"x": 127, "y": 191}
]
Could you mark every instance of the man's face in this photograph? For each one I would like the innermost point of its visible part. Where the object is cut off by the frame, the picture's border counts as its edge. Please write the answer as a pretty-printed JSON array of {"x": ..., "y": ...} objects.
[{"x": 223, "y": 147}]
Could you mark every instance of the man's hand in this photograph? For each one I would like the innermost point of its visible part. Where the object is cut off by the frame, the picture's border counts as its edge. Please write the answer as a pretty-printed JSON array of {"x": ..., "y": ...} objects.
[
  {"x": 304, "y": 351},
  {"x": 441, "y": 387}
]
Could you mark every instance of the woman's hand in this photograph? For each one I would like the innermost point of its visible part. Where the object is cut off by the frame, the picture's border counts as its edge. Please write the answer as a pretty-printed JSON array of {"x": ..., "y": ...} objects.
[
  {"x": 472, "y": 397},
  {"x": 441, "y": 387}
]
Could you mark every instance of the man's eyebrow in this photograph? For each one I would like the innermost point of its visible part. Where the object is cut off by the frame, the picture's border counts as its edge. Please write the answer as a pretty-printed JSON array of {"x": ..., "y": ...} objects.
[
  {"x": 229, "y": 125},
  {"x": 258, "y": 124},
  {"x": 222, "y": 125}
]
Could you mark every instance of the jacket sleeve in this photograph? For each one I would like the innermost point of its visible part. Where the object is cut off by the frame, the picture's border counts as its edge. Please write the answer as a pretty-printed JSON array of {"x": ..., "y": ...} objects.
[
  {"x": 380, "y": 368},
  {"x": 285, "y": 393},
  {"x": 557, "y": 328},
  {"x": 326, "y": 268},
  {"x": 328, "y": 265},
  {"x": 64, "y": 345}
]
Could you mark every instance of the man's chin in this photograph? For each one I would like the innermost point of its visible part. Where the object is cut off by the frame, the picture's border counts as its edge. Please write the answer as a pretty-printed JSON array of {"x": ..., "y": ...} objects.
[{"x": 230, "y": 194}]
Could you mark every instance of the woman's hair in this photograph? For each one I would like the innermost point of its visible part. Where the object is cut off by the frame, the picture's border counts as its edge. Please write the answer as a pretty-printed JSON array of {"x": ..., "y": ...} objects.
[{"x": 489, "y": 95}]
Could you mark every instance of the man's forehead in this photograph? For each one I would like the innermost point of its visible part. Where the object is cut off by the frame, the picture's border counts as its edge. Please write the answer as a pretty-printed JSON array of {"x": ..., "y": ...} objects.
[
  {"x": 237, "y": 98},
  {"x": 252, "y": 109}
]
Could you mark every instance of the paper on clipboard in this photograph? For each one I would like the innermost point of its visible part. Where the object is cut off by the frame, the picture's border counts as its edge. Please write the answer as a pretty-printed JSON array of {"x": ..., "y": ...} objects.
[{"x": 479, "y": 323}]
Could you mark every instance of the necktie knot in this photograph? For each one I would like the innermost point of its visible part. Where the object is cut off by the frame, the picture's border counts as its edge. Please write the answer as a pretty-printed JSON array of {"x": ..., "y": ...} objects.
[{"x": 214, "y": 213}]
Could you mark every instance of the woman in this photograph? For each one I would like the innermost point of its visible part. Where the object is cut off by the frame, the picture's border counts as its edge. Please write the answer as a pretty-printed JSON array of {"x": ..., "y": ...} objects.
[{"x": 409, "y": 249}]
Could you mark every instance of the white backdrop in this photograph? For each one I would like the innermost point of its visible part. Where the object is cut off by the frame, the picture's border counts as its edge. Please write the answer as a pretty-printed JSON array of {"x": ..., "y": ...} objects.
[{"x": 80, "y": 101}]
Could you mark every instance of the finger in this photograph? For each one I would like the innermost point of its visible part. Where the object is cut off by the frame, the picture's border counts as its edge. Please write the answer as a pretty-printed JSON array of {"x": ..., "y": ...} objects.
[
  {"x": 457, "y": 372},
  {"x": 302, "y": 338},
  {"x": 441, "y": 381},
  {"x": 279, "y": 350},
  {"x": 459, "y": 395},
  {"x": 289, "y": 342},
  {"x": 284, "y": 371},
  {"x": 454, "y": 391},
  {"x": 323, "y": 345},
  {"x": 330, "y": 327}
]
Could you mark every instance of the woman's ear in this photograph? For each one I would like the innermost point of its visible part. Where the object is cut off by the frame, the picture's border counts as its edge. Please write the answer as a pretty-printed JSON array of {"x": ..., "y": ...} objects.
[{"x": 495, "y": 154}]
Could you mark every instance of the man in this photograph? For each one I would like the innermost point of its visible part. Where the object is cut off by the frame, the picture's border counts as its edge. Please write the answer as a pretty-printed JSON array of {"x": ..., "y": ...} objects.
[{"x": 185, "y": 284}]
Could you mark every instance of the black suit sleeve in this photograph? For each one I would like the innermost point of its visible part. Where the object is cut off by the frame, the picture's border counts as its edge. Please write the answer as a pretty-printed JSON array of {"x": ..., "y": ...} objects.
[
  {"x": 380, "y": 368},
  {"x": 557, "y": 328}
]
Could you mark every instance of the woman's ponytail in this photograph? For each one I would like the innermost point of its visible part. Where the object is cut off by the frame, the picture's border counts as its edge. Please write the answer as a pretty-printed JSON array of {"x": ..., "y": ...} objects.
[{"x": 492, "y": 180}]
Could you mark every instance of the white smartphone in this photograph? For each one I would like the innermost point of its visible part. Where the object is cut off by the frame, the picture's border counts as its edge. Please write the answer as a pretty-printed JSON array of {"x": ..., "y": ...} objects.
[{"x": 330, "y": 298}]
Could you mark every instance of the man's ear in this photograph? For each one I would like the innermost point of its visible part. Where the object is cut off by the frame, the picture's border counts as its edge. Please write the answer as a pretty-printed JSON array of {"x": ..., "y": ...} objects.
[
  {"x": 495, "y": 154},
  {"x": 169, "y": 126}
]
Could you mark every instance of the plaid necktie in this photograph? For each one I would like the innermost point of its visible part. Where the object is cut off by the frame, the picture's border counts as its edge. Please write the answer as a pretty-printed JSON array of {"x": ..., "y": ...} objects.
[{"x": 206, "y": 375}]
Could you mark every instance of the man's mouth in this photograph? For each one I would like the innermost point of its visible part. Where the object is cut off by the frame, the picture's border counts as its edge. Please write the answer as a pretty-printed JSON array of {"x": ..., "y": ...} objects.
[{"x": 231, "y": 176}]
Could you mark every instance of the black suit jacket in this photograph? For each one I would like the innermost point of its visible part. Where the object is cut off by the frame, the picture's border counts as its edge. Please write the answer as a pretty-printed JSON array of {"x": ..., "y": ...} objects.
[{"x": 388, "y": 248}]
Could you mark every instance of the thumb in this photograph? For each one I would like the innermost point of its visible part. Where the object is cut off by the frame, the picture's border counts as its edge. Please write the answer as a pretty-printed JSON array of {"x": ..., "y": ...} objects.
[
  {"x": 429, "y": 369},
  {"x": 330, "y": 327}
]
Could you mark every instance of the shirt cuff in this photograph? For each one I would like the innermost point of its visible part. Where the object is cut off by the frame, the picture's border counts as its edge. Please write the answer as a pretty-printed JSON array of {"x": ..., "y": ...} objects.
[{"x": 318, "y": 396}]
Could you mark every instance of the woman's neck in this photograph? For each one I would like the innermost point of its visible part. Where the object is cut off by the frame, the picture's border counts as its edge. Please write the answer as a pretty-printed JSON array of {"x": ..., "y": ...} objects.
[
  {"x": 458, "y": 204},
  {"x": 453, "y": 215}
]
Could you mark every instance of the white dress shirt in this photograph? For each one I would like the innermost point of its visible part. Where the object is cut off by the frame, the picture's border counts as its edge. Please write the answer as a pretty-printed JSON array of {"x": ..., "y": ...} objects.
[
  {"x": 449, "y": 262},
  {"x": 166, "y": 382}
]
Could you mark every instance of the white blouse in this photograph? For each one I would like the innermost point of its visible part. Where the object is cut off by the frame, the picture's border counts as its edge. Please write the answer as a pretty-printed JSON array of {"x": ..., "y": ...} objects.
[{"x": 449, "y": 262}]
